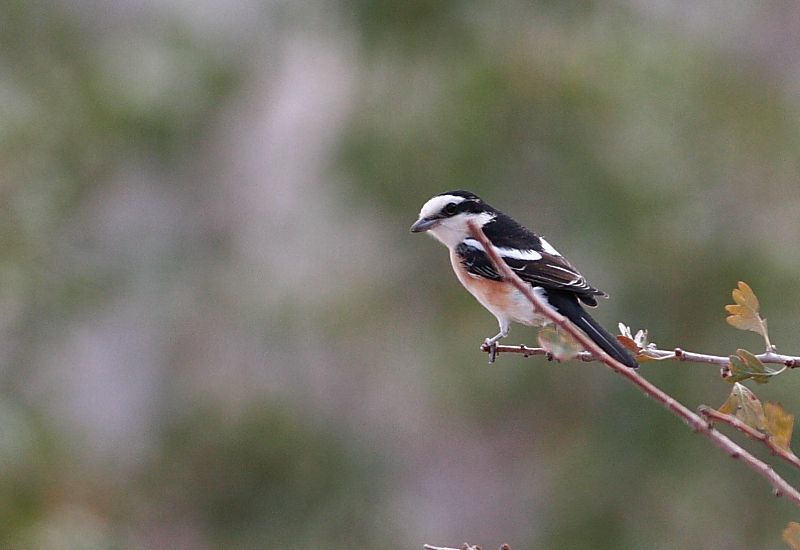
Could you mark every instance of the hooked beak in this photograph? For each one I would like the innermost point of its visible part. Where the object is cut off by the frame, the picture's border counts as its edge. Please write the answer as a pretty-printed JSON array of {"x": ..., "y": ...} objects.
[{"x": 423, "y": 224}]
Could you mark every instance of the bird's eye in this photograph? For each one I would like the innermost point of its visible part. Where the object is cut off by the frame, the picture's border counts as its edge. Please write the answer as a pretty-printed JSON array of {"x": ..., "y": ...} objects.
[{"x": 450, "y": 208}]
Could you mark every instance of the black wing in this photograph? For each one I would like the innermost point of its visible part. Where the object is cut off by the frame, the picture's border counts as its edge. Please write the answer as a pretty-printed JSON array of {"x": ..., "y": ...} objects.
[
  {"x": 505, "y": 232},
  {"x": 537, "y": 267},
  {"x": 554, "y": 272},
  {"x": 476, "y": 261},
  {"x": 551, "y": 270}
]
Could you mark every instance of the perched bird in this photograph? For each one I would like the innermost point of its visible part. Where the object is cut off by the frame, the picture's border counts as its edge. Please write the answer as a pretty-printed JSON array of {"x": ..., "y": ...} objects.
[{"x": 534, "y": 259}]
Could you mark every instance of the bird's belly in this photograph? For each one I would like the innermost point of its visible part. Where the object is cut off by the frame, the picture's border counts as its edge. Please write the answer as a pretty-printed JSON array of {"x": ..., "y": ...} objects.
[{"x": 501, "y": 298}]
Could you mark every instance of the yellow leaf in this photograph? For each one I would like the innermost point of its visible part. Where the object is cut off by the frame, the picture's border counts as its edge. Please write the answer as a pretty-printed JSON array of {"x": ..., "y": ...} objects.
[
  {"x": 779, "y": 424},
  {"x": 744, "y": 405},
  {"x": 744, "y": 313},
  {"x": 730, "y": 405},
  {"x": 745, "y": 296},
  {"x": 791, "y": 535}
]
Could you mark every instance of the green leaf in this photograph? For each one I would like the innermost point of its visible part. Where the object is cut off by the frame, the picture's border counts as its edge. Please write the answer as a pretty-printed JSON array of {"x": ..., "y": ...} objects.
[
  {"x": 561, "y": 345},
  {"x": 744, "y": 365},
  {"x": 779, "y": 424},
  {"x": 744, "y": 405},
  {"x": 791, "y": 535},
  {"x": 744, "y": 314}
]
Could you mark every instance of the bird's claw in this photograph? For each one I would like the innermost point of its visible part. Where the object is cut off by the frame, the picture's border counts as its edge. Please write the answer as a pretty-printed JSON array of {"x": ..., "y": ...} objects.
[{"x": 490, "y": 347}]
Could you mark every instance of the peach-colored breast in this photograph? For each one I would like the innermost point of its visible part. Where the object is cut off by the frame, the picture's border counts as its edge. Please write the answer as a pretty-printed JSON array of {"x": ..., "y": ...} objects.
[{"x": 502, "y": 299}]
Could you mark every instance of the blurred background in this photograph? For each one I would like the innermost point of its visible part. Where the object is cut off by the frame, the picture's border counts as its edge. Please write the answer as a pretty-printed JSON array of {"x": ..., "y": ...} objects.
[{"x": 217, "y": 331}]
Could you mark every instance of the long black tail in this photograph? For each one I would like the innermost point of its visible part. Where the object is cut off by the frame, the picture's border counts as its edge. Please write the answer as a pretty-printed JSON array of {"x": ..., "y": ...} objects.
[{"x": 566, "y": 303}]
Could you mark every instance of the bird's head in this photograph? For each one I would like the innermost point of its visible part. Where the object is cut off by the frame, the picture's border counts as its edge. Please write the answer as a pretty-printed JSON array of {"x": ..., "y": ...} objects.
[{"x": 445, "y": 216}]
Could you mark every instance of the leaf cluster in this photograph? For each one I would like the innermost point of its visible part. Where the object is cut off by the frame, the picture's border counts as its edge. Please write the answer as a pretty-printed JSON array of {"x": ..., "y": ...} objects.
[
  {"x": 745, "y": 315},
  {"x": 767, "y": 421},
  {"x": 769, "y": 418}
]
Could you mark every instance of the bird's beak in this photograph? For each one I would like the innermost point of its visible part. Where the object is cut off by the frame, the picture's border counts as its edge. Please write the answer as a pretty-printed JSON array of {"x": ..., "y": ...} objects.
[{"x": 423, "y": 224}]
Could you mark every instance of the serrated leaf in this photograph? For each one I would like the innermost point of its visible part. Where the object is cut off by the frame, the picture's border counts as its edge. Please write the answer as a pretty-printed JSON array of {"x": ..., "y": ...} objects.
[
  {"x": 559, "y": 344},
  {"x": 779, "y": 424},
  {"x": 791, "y": 535},
  {"x": 745, "y": 296},
  {"x": 744, "y": 314},
  {"x": 744, "y": 365},
  {"x": 744, "y": 405}
]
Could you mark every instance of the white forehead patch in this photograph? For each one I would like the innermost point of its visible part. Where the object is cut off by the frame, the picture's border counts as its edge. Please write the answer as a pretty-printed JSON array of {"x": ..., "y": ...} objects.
[
  {"x": 547, "y": 247},
  {"x": 435, "y": 205}
]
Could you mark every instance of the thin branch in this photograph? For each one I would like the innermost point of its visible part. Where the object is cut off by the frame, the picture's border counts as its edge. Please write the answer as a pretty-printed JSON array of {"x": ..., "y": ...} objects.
[
  {"x": 714, "y": 415},
  {"x": 697, "y": 423},
  {"x": 693, "y": 357},
  {"x": 677, "y": 354},
  {"x": 529, "y": 352}
]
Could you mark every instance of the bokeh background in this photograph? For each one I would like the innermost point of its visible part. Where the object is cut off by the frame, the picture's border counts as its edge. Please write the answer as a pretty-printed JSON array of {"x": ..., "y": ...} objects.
[{"x": 217, "y": 331}]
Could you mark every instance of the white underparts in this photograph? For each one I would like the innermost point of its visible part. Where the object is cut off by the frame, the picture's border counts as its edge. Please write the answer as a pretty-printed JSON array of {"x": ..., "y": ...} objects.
[{"x": 455, "y": 230}]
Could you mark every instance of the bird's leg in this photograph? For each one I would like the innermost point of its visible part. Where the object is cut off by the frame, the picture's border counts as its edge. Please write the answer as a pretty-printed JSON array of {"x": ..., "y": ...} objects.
[{"x": 491, "y": 343}]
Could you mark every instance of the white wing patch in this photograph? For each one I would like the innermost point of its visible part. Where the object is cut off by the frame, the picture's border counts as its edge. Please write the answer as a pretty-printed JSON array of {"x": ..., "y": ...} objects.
[
  {"x": 547, "y": 247},
  {"x": 517, "y": 254},
  {"x": 474, "y": 244},
  {"x": 513, "y": 253}
]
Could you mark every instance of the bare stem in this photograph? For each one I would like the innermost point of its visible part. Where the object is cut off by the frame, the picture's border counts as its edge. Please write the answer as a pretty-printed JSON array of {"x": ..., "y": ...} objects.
[
  {"x": 677, "y": 354},
  {"x": 714, "y": 415},
  {"x": 697, "y": 423},
  {"x": 465, "y": 546}
]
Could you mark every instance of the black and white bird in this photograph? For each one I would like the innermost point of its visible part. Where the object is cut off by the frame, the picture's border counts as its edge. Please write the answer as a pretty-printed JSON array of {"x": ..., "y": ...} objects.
[{"x": 534, "y": 259}]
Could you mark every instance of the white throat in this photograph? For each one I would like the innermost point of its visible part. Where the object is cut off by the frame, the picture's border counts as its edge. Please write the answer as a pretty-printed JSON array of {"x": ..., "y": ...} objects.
[{"x": 453, "y": 231}]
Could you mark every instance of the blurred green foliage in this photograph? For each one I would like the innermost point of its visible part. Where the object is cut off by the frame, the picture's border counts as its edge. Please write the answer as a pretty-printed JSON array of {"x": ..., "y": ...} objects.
[{"x": 271, "y": 475}]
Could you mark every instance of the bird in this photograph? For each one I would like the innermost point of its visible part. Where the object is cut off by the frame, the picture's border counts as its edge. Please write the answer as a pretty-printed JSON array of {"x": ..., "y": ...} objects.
[{"x": 553, "y": 279}]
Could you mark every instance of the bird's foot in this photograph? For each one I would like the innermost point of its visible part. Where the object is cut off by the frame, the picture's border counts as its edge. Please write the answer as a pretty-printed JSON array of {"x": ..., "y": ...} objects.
[{"x": 490, "y": 346}]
